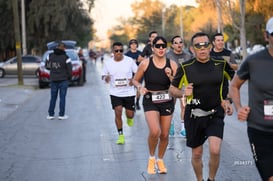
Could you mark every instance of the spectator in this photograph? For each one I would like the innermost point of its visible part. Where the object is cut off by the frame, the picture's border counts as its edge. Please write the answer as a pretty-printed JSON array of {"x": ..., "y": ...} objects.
[{"x": 60, "y": 68}]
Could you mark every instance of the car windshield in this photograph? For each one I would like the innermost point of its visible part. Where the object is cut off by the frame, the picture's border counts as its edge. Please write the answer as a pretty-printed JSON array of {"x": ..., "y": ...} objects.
[{"x": 70, "y": 53}]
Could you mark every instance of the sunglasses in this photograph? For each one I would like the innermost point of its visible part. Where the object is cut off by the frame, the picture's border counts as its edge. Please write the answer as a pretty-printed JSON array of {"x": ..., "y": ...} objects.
[
  {"x": 118, "y": 50},
  {"x": 199, "y": 46},
  {"x": 163, "y": 45},
  {"x": 180, "y": 42}
]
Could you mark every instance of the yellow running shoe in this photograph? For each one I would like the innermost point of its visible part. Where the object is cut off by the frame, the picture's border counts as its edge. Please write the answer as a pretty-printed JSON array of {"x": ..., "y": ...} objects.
[
  {"x": 151, "y": 166},
  {"x": 130, "y": 122},
  {"x": 161, "y": 166},
  {"x": 120, "y": 140}
]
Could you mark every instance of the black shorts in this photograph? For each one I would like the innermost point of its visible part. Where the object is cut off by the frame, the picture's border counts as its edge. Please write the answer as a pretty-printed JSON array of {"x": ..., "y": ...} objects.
[
  {"x": 164, "y": 108},
  {"x": 127, "y": 102},
  {"x": 261, "y": 144},
  {"x": 199, "y": 129}
]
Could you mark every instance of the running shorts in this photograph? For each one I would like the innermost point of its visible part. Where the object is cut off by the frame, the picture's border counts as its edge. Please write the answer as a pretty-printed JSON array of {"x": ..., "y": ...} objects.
[
  {"x": 127, "y": 102},
  {"x": 164, "y": 108},
  {"x": 261, "y": 144},
  {"x": 200, "y": 128}
]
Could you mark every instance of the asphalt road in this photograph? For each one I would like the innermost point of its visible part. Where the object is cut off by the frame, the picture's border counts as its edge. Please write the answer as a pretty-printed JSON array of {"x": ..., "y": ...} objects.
[{"x": 83, "y": 147}]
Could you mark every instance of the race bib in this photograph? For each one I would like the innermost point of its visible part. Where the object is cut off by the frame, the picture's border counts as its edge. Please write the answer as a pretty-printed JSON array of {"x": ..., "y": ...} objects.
[
  {"x": 161, "y": 96},
  {"x": 121, "y": 82},
  {"x": 268, "y": 109}
]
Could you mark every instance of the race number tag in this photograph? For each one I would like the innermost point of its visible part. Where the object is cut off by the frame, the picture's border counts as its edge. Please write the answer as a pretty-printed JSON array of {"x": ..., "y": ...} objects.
[
  {"x": 268, "y": 109},
  {"x": 158, "y": 97},
  {"x": 121, "y": 82}
]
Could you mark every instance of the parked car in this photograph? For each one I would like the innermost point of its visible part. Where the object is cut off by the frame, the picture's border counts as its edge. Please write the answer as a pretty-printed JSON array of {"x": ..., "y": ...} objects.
[
  {"x": 77, "y": 71},
  {"x": 30, "y": 65}
]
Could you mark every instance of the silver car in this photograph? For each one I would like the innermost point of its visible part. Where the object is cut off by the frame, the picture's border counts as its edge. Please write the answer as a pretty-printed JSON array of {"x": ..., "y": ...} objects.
[{"x": 30, "y": 65}]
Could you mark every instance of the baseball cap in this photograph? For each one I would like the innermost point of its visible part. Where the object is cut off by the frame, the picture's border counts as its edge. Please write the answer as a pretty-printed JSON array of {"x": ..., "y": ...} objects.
[
  {"x": 133, "y": 41},
  {"x": 269, "y": 25}
]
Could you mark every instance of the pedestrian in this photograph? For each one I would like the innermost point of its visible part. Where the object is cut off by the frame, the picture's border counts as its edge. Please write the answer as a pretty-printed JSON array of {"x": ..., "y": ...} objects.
[
  {"x": 134, "y": 53},
  {"x": 220, "y": 52},
  {"x": 205, "y": 110},
  {"x": 256, "y": 70},
  {"x": 60, "y": 68},
  {"x": 178, "y": 54},
  {"x": 147, "y": 50},
  {"x": 158, "y": 106},
  {"x": 84, "y": 62},
  {"x": 118, "y": 72}
]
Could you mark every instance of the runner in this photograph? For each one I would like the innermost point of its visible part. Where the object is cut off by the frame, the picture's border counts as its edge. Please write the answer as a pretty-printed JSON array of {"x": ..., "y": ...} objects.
[
  {"x": 179, "y": 56},
  {"x": 205, "y": 109},
  {"x": 158, "y": 106},
  {"x": 134, "y": 53},
  {"x": 118, "y": 71}
]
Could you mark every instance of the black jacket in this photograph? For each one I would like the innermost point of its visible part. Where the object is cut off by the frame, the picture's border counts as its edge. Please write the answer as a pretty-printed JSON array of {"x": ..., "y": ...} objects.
[{"x": 59, "y": 65}]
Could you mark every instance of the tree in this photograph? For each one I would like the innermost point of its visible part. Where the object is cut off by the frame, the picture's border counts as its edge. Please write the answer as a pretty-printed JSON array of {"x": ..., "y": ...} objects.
[
  {"x": 47, "y": 21},
  {"x": 58, "y": 19}
]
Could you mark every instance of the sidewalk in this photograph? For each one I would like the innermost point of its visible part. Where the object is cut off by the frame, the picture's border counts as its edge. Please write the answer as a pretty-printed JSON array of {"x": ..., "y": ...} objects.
[{"x": 13, "y": 96}]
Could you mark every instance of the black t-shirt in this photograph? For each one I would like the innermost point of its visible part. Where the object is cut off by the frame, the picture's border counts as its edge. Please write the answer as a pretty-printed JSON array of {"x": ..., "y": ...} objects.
[
  {"x": 133, "y": 55},
  {"x": 207, "y": 79},
  {"x": 147, "y": 51}
]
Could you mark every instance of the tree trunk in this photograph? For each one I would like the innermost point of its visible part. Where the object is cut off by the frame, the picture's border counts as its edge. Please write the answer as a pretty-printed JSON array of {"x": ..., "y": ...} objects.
[{"x": 18, "y": 41}]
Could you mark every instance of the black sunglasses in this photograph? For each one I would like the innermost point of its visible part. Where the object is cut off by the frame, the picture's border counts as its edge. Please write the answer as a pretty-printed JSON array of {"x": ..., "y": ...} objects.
[
  {"x": 163, "y": 45},
  {"x": 180, "y": 42},
  {"x": 201, "y": 45},
  {"x": 118, "y": 50}
]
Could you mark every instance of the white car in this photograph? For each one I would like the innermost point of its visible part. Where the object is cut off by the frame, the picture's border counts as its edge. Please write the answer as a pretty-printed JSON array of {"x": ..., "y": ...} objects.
[{"x": 30, "y": 65}]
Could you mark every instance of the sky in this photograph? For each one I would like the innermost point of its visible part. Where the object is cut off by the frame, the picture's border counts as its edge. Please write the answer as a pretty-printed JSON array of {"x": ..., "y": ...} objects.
[{"x": 106, "y": 12}]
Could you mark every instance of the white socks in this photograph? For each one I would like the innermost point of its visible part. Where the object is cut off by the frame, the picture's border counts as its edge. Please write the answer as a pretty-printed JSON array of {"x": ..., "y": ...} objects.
[{"x": 182, "y": 125}]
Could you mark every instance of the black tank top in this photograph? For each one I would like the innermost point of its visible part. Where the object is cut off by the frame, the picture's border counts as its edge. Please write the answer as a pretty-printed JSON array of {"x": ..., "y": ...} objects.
[{"x": 156, "y": 78}]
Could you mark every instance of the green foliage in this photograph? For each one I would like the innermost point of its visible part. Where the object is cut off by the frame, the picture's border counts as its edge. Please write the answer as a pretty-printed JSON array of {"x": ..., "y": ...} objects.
[
  {"x": 48, "y": 20},
  {"x": 6, "y": 25},
  {"x": 56, "y": 20},
  {"x": 148, "y": 16}
]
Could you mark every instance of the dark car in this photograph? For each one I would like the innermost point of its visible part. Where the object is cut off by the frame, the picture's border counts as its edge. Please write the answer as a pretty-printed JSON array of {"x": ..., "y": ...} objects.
[
  {"x": 77, "y": 71},
  {"x": 30, "y": 66}
]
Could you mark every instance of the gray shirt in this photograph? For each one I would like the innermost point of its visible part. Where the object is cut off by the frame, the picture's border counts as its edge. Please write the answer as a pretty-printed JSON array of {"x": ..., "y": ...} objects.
[
  {"x": 257, "y": 69},
  {"x": 178, "y": 58}
]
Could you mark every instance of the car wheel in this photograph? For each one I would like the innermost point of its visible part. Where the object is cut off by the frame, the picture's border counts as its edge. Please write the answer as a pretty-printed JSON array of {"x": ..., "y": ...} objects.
[
  {"x": 80, "y": 81},
  {"x": 2, "y": 73},
  {"x": 42, "y": 85}
]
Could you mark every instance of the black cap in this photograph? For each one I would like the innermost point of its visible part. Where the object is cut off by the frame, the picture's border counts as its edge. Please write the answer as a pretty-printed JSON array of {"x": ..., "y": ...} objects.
[{"x": 133, "y": 41}]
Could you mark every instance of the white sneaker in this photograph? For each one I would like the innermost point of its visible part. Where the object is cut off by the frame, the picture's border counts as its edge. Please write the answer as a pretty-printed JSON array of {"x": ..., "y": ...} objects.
[
  {"x": 50, "y": 117},
  {"x": 63, "y": 117}
]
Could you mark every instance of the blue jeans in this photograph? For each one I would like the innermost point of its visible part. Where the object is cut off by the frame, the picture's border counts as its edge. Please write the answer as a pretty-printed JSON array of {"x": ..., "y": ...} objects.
[{"x": 55, "y": 88}]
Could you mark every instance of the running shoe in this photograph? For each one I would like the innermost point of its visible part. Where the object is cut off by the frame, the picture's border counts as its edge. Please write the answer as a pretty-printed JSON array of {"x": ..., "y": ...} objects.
[
  {"x": 120, "y": 140},
  {"x": 171, "y": 131},
  {"x": 151, "y": 166},
  {"x": 161, "y": 166},
  {"x": 63, "y": 117},
  {"x": 50, "y": 117},
  {"x": 130, "y": 122},
  {"x": 183, "y": 132}
]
